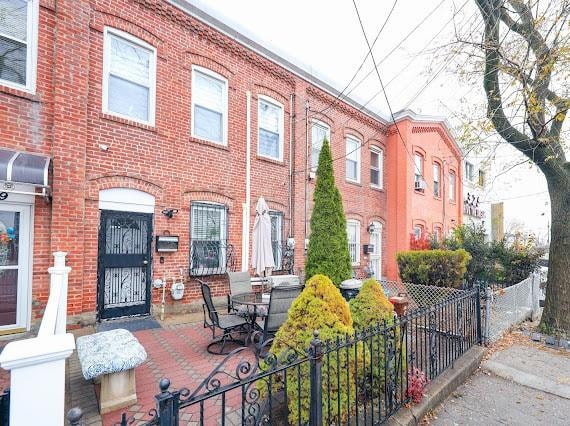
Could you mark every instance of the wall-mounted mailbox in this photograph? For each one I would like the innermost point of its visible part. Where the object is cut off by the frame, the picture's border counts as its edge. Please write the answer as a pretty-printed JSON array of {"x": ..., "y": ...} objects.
[
  {"x": 368, "y": 248},
  {"x": 166, "y": 243}
]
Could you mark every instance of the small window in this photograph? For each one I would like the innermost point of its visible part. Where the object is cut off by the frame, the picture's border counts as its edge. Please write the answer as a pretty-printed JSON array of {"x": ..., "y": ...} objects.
[
  {"x": 437, "y": 233},
  {"x": 18, "y": 43},
  {"x": 209, "y": 106},
  {"x": 128, "y": 77},
  {"x": 208, "y": 239},
  {"x": 277, "y": 238},
  {"x": 270, "y": 119},
  {"x": 319, "y": 132},
  {"x": 418, "y": 169},
  {"x": 452, "y": 185},
  {"x": 352, "y": 159},
  {"x": 353, "y": 234},
  {"x": 481, "y": 178},
  {"x": 376, "y": 167},
  {"x": 436, "y": 180},
  {"x": 469, "y": 171},
  {"x": 418, "y": 231}
]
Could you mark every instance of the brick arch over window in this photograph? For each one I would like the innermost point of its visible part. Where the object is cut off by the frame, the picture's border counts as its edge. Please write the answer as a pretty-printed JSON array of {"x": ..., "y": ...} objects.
[
  {"x": 273, "y": 205},
  {"x": 193, "y": 58},
  {"x": 100, "y": 20},
  {"x": 207, "y": 196},
  {"x": 263, "y": 90},
  {"x": 121, "y": 181}
]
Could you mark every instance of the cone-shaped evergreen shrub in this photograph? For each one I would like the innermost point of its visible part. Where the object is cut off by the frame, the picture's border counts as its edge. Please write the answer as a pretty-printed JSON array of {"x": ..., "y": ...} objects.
[
  {"x": 319, "y": 307},
  {"x": 328, "y": 243},
  {"x": 370, "y": 306}
]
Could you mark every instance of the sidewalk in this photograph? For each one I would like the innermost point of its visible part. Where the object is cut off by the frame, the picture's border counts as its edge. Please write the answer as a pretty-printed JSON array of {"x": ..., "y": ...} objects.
[{"x": 521, "y": 383}]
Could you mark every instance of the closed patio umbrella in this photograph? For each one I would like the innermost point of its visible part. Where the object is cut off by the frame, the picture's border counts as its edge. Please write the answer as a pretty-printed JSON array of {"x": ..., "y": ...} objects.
[{"x": 262, "y": 252}]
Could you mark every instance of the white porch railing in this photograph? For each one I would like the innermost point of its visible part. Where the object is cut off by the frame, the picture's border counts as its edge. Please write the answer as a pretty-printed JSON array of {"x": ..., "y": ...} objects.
[{"x": 37, "y": 365}]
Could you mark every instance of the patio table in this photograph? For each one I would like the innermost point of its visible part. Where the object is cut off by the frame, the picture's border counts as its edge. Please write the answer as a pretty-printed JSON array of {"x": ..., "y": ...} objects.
[{"x": 255, "y": 306}]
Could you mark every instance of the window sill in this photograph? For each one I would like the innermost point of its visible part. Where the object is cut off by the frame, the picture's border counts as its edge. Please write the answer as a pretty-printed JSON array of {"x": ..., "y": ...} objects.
[
  {"x": 209, "y": 143},
  {"x": 356, "y": 264},
  {"x": 377, "y": 188},
  {"x": 437, "y": 198},
  {"x": 126, "y": 121},
  {"x": 270, "y": 160},
  {"x": 419, "y": 192},
  {"x": 19, "y": 93},
  {"x": 353, "y": 182}
]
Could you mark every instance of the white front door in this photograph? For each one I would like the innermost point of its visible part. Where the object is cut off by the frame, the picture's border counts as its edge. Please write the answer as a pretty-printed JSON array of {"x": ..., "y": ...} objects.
[
  {"x": 15, "y": 282},
  {"x": 376, "y": 256}
]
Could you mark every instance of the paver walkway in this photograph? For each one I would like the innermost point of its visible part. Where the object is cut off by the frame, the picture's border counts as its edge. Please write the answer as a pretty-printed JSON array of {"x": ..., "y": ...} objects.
[{"x": 521, "y": 384}]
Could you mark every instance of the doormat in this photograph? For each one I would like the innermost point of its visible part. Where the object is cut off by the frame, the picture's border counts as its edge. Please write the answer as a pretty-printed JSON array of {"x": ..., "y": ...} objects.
[{"x": 131, "y": 324}]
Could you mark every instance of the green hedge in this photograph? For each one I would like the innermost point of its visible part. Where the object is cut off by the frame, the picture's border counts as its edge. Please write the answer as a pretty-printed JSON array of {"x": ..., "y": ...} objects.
[{"x": 442, "y": 268}]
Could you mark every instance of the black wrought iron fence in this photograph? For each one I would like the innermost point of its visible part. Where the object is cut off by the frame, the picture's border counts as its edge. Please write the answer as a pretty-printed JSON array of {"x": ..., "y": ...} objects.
[
  {"x": 211, "y": 257},
  {"x": 5, "y": 408},
  {"x": 357, "y": 379},
  {"x": 283, "y": 255}
]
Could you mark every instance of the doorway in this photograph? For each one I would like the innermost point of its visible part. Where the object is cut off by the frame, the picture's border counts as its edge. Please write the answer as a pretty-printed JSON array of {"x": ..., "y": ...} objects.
[{"x": 376, "y": 256}]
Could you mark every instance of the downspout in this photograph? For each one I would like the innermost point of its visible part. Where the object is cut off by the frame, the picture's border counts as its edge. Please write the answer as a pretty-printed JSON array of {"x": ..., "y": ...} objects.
[
  {"x": 306, "y": 166},
  {"x": 246, "y": 204},
  {"x": 291, "y": 157},
  {"x": 443, "y": 197}
]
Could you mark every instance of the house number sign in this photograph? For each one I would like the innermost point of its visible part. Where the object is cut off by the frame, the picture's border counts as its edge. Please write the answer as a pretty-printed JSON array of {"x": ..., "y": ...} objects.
[{"x": 3, "y": 195}]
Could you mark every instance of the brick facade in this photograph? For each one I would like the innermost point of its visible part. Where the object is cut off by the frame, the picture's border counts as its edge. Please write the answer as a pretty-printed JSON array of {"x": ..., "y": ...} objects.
[{"x": 93, "y": 151}]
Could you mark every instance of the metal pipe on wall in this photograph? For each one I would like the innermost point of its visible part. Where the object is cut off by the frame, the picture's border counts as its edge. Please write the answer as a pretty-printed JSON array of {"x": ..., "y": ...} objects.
[
  {"x": 246, "y": 204},
  {"x": 291, "y": 158}
]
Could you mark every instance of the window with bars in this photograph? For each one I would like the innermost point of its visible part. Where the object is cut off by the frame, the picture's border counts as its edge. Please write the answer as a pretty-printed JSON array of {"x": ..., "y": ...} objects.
[
  {"x": 436, "y": 180},
  {"x": 209, "y": 247},
  {"x": 277, "y": 238},
  {"x": 209, "y": 106},
  {"x": 270, "y": 121},
  {"x": 353, "y": 234},
  {"x": 376, "y": 167},
  {"x": 129, "y": 67},
  {"x": 352, "y": 159},
  {"x": 18, "y": 42},
  {"x": 319, "y": 132}
]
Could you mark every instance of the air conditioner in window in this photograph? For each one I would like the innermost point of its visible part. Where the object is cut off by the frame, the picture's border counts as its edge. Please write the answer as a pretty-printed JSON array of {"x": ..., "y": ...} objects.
[{"x": 420, "y": 185}]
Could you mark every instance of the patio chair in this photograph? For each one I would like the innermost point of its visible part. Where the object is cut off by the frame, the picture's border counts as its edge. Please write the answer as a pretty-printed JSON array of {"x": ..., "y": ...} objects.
[
  {"x": 240, "y": 282},
  {"x": 279, "y": 304},
  {"x": 228, "y": 323}
]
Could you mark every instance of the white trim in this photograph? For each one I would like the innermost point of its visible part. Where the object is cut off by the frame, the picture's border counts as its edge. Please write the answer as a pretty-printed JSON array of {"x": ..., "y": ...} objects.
[
  {"x": 380, "y": 168},
  {"x": 278, "y": 104},
  {"x": 32, "y": 19},
  {"x": 318, "y": 123},
  {"x": 126, "y": 200},
  {"x": 221, "y": 78},
  {"x": 349, "y": 223},
  {"x": 377, "y": 255},
  {"x": 358, "y": 161},
  {"x": 107, "y": 33}
]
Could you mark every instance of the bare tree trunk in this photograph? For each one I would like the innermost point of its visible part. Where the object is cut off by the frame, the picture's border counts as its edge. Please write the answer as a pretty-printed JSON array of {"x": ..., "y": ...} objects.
[{"x": 556, "y": 314}]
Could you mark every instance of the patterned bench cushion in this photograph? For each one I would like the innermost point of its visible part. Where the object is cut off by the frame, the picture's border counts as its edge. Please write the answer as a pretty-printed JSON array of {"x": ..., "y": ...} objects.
[{"x": 109, "y": 352}]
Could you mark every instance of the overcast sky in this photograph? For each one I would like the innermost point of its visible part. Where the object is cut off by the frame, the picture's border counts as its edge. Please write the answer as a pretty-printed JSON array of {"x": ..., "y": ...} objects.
[{"x": 325, "y": 38}]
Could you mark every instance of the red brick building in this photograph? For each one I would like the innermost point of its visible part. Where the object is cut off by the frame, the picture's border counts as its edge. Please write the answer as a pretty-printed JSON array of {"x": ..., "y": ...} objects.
[{"x": 126, "y": 120}]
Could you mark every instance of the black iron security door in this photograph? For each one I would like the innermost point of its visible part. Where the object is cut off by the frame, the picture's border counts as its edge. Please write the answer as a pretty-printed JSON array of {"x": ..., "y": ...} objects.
[{"x": 124, "y": 264}]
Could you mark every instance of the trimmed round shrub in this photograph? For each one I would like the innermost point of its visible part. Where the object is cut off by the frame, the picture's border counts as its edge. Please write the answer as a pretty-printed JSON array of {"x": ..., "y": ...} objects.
[
  {"x": 442, "y": 268},
  {"x": 370, "y": 306},
  {"x": 320, "y": 306}
]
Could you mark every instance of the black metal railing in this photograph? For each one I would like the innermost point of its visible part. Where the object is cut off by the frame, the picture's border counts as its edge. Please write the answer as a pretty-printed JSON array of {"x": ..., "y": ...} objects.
[
  {"x": 283, "y": 255},
  {"x": 211, "y": 257},
  {"x": 355, "y": 379},
  {"x": 5, "y": 408}
]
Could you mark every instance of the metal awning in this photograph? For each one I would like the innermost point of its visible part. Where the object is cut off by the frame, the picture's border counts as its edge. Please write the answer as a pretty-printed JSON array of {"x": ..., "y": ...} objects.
[{"x": 23, "y": 167}]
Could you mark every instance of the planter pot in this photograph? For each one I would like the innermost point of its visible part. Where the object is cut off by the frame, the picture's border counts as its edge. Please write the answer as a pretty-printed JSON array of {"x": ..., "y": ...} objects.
[{"x": 350, "y": 288}]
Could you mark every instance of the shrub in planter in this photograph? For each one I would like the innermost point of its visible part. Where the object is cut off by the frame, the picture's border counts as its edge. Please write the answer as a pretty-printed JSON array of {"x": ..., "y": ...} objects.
[
  {"x": 442, "y": 268},
  {"x": 328, "y": 253},
  {"x": 321, "y": 307}
]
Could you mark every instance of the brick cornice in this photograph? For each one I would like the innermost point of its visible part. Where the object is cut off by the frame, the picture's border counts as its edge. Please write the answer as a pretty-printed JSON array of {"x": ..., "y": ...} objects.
[
  {"x": 347, "y": 109},
  {"x": 442, "y": 134},
  {"x": 210, "y": 35}
]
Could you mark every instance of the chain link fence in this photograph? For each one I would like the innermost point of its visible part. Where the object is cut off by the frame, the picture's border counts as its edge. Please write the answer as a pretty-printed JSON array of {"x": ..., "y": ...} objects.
[
  {"x": 506, "y": 307},
  {"x": 420, "y": 296}
]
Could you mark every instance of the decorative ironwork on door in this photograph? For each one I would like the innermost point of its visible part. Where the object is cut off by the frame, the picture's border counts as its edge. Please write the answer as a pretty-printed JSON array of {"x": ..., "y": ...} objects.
[{"x": 124, "y": 264}]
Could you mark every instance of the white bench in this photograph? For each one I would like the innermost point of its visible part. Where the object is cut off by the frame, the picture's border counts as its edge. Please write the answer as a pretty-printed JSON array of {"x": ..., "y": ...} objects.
[{"x": 112, "y": 356}]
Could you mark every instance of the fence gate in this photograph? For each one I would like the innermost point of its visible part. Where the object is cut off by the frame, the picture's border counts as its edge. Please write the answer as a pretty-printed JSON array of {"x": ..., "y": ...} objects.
[{"x": 124, "y": 264}]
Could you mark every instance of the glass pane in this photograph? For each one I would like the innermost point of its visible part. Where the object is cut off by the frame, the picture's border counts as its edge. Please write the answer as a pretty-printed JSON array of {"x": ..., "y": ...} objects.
[
  {"x": 352, "y": 149},
  {"x": 206, "y": 255},
  {"x": 124, "y": 287},
  {"x": 318, "y": 135},
  {"x": 207, "y": 222},
  {"x": 9, "y": 237},
  {"x": 316, "y": 151},
  {"x": 128, "y": 98},
  {"x": 208, "y": 124},
  {"x": 126, "y": 236},
  {"x": 374, "y": 177},
  {"x": 208, "y": 92},
  {"x": 374, "y": 159},
  {"x": 268, "y": 143},
  {"x": 13, "y": 18},
  {"x": 269, "y": 116},
  {"x": 12, "y": 61},
  {"x": 129, "y": 61},
  {"x": 351, "y": 169},
  {"x": 8, "y": 296}
]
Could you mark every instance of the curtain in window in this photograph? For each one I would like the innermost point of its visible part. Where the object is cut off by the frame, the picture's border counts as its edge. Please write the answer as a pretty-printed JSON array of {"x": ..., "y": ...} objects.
[
  {"x": 318, "y": 135},
  {"x": 13, "y": 40},
  {"x": 209, "y": 107},
  {"x": 129, "y": 79},
  {"x": 269, "y": 128}
]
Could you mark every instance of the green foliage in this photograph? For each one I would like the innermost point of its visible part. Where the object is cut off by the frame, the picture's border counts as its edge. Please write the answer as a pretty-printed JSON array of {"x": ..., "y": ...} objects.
[
  {"x": 319, "y": 307},
  {"x": 370, "y": 306},
  {"x": 442, "y": 268},
  {"x": 504, "y": 263},
  {"x": 328, "y": 244}
]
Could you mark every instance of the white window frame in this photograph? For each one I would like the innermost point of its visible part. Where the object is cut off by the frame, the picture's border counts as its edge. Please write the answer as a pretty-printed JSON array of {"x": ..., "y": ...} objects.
[
  {"x": 354, "y": 223},
  {"x": 224, "y": 231},
  {"x": 277, "y": 257},
  {"x": 327, "y": 128},
  {"x": 267, "y": 99},
  {"x": 358, "y": 158},
  {"x": 214, "y": 75},
  {"x": 437, "y": 180},
  {"x": 452, "y": 185},
  {"x": 32, "y": 23},
  {"x": 469, "y": 176},
  {"x": 380, "y": 168},
  {"x": 418, "y": 172},
  {"x": 109, "y": 32}
]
